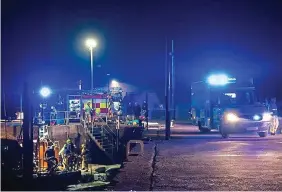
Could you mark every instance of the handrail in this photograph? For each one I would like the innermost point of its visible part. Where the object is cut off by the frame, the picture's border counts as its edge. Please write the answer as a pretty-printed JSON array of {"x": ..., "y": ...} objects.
[
  {"x": 106, "y": 125},
  {"x": 107, "y": 143},
  {"x": 100, "y": 145}
]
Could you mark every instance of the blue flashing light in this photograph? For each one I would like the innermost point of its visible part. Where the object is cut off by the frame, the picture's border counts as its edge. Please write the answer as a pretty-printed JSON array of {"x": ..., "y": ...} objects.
[
  {"x": 257, "y": 117},
  {"x": 218, "y": 80}
]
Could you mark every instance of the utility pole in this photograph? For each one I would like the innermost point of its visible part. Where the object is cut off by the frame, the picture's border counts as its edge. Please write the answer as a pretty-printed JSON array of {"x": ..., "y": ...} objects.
[
  {"x": 27, "y": 134},
  {"x": 167, "y": 93},
  {"x": 21, "y": 103},
  {"x": 172, "y": 81},
  {"x": 4, "y": 100},
  {"x": 147, "y": 111}
]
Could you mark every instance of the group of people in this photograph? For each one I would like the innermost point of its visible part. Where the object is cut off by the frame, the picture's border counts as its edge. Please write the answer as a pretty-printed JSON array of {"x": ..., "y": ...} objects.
[
  {"x": 136, "y": 111},
  {"x": 89, "y": 113},
  {"x": 69, "y": 154}
]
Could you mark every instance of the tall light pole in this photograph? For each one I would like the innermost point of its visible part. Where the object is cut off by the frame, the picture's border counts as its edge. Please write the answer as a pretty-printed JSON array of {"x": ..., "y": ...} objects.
[
  {"x": 44, "y": 92},
  {"x": 91, "y": 44},
  {"x": 172, "y": 81},
  {"x": 108, "y": 75},
  {"x": 167, "y": 95},
  {"x": 109, "y": 93}
]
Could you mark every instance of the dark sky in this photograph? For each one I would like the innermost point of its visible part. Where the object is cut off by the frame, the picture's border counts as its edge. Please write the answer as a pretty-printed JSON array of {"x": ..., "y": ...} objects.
[{"x": 44, "y": 41}]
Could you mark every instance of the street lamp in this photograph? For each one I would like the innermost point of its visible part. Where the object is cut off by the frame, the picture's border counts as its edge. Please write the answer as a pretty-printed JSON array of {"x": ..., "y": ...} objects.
[
  {"x": 91, "y": 44},
  {"x": 45, "y": 92},
  {"x": 114, "y": 83},
  {"x": 108, "y": 74},
  {"x": 109, "y": 94}
]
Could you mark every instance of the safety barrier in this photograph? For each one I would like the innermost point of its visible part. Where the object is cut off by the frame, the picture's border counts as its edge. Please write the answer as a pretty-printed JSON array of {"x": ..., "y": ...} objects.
[{"x": 62, "y": 117}]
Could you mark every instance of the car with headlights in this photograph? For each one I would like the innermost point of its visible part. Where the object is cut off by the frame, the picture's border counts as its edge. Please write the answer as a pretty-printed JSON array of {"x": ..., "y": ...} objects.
[
  {"x": 249, "y": 118},
  {"x": 229, "y": 105}
]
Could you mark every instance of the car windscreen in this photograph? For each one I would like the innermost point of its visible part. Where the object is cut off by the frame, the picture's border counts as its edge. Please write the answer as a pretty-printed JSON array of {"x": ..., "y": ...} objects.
[{"x": 241, "y": 97}]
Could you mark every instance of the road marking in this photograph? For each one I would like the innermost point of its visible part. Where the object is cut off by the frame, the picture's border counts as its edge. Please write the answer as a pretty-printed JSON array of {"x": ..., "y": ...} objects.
[
  {"x": 242, "y": 155},
  {"x": 154, "y": 128},
  {"x": 222, "y": 142}
]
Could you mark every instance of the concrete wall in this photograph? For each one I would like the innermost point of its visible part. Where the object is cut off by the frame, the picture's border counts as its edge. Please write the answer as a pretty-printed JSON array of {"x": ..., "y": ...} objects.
[
  {"x": 57, "y": 133},
  {"x": 14, "y": 129},
  {"x": 62, "y": 132}
]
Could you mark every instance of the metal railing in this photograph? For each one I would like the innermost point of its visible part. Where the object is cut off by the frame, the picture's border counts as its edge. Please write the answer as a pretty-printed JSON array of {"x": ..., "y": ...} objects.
[
  {"x": 61, "y": 117},
  {"x": 103, "y": 135}
]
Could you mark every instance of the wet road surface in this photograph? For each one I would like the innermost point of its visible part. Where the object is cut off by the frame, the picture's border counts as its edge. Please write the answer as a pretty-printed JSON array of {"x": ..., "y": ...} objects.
[
  {"x": 240, "y": 163},
  {"x": 196, "y": 161}
]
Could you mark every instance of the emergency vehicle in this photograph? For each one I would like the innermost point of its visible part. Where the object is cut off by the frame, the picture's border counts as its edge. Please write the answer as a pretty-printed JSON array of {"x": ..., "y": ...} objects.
[{"x": 228, "y": 105}]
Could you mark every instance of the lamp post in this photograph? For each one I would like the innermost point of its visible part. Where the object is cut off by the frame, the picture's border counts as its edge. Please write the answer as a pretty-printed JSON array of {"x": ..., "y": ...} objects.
[
  {"x": 108, "y": 95},
  {"x": 91, "y": 44},
  {"x": 115, "y": 83},
  {"x": 108, "y": 74},
  {"x": 44, "y": 92}
]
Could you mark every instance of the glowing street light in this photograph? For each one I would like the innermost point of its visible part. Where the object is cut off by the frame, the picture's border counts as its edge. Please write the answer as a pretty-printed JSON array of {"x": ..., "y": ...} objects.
[
  {"x": 114, "y": 83},
  {"x": 45, "y": 92},
  {"x": 91, "y": 44}
]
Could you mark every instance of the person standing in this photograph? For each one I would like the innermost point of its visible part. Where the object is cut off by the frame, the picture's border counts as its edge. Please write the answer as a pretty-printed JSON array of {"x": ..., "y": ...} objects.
[
  {"x": 50, "y": 154},
  {"x": 88, "y": 110},
  {"x": 130, "y": 112},
  {"x": 275, "y": 121},
  {"x": 84, "y": 156},
  {"x": 137, "y": 111},
  {"x": 145, "y": 109},
  {"x": 93, "y": 114},
  {"x": 53, "y": 115}
]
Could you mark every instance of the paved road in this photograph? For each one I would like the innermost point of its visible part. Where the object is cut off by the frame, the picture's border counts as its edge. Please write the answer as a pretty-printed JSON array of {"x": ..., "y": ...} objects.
[
  {"x": 215, "y": 164},
  {"x": 194, "y": 161}
]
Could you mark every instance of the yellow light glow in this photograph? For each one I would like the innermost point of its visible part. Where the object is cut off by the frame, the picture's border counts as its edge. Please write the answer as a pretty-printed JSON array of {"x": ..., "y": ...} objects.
[
  {"x": 114, "y": 83},
  {"x": 231, "y": 117},
  {"x": 267, "y": 117}
]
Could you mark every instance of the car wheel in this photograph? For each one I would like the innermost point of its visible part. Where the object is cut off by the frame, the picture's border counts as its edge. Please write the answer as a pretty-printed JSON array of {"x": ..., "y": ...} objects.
[
  {"x": 262, "y": 134},
  {"x": 203, "y": 130},
  {"x": 223, "y": 133}
]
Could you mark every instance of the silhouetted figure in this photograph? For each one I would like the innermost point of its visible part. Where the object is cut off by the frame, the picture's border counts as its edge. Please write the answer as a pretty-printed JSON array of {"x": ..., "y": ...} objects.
[
  {"x": 130, "y": 112},
  {"x": 77, "y": 141},
  {"x": 84, "y": 156},
  {"x": 49, "y": 155},
  {"x": 145, "y": 109},
  {"x": 273, "y": 106},
  {"x": 129, "y": 109},
  {"x": 137, "y": 110}
]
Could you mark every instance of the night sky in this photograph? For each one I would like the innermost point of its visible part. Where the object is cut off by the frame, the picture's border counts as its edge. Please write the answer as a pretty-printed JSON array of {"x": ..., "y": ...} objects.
[{"x": 43, "y": 42}]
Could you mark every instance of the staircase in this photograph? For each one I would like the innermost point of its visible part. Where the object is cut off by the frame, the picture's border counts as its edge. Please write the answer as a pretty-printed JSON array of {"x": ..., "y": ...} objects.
[{"x": 104, "y": 137}]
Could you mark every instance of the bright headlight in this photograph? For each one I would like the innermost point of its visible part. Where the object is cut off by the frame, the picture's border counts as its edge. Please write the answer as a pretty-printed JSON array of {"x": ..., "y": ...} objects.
[
  {"x": 231, "y": 117},
  {"x": 266, "y": 117}
]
